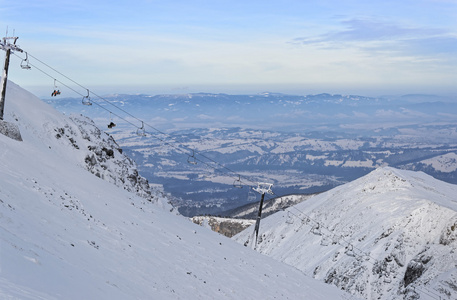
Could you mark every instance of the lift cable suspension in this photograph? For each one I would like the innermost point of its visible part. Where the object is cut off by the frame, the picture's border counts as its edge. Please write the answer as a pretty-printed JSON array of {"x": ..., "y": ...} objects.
[{"x": 217, "y": 166}]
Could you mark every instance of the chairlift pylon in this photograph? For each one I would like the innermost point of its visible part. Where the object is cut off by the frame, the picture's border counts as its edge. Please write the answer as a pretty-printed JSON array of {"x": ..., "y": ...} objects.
[
  {"x": 86, "y": 99},
  {"x": 25, "y": 63},
  {"x": 263, "y": 188}
]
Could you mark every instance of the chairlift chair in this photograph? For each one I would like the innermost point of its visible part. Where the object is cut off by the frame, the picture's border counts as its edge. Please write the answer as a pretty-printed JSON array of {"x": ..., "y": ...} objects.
[
  {"x": 56, "y": 90},
  {"x": 325, "y": 240},
  {"x": 111, "y": 124},
  {"x": 140, "y": 131},
  {"x": 289, "y": 219},
  {"x": 191, "y": 159},
  {"x": 86, "y": 99},
  {"x": 335, "y": 239},
  {"x": 237, "y": 183},
  {"x": 25, "y": 63},
  {"x": 349, "y": 250},
  {"x": 316, "y": 229}
]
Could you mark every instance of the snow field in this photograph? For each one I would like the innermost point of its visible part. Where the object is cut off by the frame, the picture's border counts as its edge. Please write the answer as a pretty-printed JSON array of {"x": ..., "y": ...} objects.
[{"x": 67, "y": 234}]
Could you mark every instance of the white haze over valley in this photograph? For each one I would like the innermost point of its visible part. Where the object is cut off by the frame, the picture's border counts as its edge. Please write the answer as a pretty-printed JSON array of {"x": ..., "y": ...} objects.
[{"x": 300, "y": 143}]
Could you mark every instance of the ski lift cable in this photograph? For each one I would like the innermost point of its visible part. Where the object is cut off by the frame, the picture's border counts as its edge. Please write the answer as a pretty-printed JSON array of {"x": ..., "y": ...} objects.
[
  {"x": 80, "y": 85},
  {"x": 129, "y": 114},
  {"x": 238, "y": 176},
  {"x": 220, "y": 166},
  {"x": 60, "y": 73},
  {"x": 75, "y": 91},
  {"x": 98, "y": 96}
]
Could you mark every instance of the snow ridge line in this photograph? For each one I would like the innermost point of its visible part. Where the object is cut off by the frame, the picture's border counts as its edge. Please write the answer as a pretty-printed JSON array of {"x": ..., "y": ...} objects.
[{"x": 350, "y": 248}]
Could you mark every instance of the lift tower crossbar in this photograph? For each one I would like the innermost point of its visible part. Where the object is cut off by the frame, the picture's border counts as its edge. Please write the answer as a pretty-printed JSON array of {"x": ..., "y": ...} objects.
[{"x": 6, "y": 45}]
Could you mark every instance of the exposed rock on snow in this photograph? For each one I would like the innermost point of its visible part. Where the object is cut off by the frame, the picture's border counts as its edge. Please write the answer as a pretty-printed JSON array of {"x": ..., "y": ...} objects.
[
  {"x": 10, "y": 130},
  {"x": 226, "y": 226},
  {"x": 388, "y": 235},
  {"x": 104, "y": 157}
]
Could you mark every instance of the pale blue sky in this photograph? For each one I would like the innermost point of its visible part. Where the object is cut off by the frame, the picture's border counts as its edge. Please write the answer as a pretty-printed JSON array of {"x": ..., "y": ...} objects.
[{"x": 291, "y": 46}]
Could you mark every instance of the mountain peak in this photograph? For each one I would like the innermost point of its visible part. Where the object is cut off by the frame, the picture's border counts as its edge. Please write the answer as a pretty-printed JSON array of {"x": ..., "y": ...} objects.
[{"x": 381, "y": 236}]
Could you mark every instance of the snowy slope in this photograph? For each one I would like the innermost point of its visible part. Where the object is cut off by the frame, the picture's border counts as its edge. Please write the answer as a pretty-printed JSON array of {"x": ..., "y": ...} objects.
[
  {"x": 68, "y": 234},
  {"x": 446, "y": 163},
  {"x": 391, "y": 234}
]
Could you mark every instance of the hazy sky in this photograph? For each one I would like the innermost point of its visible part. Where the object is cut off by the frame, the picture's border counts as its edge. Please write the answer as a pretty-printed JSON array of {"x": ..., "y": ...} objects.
[{"x": 295, "y": 46}]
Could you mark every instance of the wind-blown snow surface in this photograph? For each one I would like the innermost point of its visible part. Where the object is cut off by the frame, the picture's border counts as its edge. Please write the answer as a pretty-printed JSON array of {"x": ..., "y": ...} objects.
[
  {"x": 68, "y": 234},
  {"x": 391, "y": 234}
]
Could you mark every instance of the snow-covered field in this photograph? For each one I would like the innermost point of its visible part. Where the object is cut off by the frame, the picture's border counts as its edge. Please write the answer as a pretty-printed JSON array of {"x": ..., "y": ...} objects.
[
  {"x": 66, "y": 233},
  {"x": 444, "y": 163}
]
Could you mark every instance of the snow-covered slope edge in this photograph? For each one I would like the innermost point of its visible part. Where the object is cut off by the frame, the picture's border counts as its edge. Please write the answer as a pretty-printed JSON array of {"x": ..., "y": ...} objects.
[
  {"x": 67, "y": 234},
  {"x": 88, "y": 146},
  {"x": 389, "y": 235}
]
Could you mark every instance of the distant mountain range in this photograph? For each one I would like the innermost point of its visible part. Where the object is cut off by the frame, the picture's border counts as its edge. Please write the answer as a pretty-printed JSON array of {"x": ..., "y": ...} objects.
[
  {"x": 267, "y": 110},
  {"x": 301, "y": 144}
]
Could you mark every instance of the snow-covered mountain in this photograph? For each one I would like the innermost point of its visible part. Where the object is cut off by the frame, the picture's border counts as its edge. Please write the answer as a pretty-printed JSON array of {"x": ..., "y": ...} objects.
[
  {"x": 391, "y": 234},
  {"x": 301, "y": 144},
  {"x": 78, "y": 222}
]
